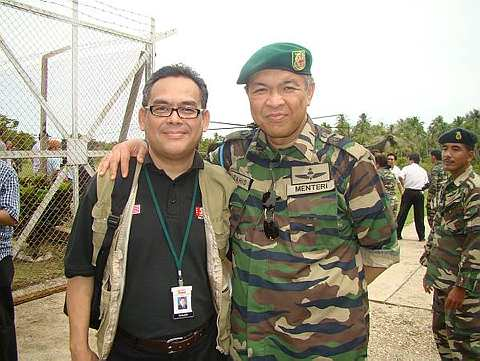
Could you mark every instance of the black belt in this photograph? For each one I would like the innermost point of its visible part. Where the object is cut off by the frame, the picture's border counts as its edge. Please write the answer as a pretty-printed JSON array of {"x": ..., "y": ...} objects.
[{"x": 167, "y": 345}]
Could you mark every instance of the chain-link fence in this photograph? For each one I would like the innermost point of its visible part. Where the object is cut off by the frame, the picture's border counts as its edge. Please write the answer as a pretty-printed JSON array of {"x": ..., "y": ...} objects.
[{"x": 71, "y": 74}]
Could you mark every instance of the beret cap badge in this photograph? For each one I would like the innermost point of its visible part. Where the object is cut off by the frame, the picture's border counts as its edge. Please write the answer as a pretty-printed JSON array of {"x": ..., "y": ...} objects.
[
  {"x": 298, "y": 60},
  {"x": 458, "y": 136}
]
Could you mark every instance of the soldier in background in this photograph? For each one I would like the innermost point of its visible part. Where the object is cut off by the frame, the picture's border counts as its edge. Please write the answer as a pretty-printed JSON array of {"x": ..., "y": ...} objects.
[
  {"x": 452, "y": 254},
  {"x": 436, "y": 177},
  {"x": 309, "y": 226},
  {"x": 389, "y": 181}
]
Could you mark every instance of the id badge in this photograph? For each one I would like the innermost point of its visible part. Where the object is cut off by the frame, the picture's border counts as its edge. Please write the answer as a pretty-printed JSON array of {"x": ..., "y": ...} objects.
[{"x": 182, "y": 302}]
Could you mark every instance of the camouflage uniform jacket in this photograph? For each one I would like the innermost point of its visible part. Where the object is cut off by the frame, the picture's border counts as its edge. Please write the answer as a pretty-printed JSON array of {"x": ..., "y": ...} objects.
[
  {"x": 390, "y": 183},
  {"x": 303, "y": 296},
  {"x": 437, "y": 178},
  {"x": 453, "y": 248}
]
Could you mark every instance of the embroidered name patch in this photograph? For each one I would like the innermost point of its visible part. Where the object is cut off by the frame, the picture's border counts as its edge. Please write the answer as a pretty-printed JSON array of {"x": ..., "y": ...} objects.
[
  {"x": 309, "y": 188},
  {"x": 241, "y": 180}
]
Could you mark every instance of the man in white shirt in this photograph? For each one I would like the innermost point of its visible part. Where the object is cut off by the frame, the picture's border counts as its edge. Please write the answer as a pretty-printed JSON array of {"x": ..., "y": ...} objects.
[{"x": 415, "y": 179}]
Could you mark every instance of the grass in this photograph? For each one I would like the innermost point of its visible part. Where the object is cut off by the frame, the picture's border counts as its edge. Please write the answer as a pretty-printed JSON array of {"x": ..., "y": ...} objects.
[{"x": 32, "y": 273}]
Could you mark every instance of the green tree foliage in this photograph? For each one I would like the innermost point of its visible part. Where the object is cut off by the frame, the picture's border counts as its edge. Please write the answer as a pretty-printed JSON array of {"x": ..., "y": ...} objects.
[
  {"x": 470, "y": 121},
  {"x": 8, "y": 131},
  {"x": 437, "y": 127},
  {"x": 411, "y": 131},
  {"x": 361, "y": 132},
  {"x": 342, "y": 126},
  {"x": 208, "y": 144}
]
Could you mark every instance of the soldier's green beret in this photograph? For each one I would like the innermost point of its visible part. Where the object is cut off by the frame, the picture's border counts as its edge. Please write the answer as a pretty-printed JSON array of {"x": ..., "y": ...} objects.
[
  {"x": 285, "y": 56},
  {"x": 459, "y": 135}
]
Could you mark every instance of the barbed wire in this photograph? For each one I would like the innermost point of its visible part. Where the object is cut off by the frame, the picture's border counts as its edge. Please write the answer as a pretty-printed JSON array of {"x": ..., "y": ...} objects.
[
  {"x": 119, "y": 9},
  {"x": 102, "y": 21},
  {"x": 83, "y": 3}
]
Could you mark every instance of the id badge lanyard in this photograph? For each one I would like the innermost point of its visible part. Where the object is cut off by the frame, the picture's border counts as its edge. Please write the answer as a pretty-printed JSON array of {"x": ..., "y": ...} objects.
[{"x": 178, "y": 259}]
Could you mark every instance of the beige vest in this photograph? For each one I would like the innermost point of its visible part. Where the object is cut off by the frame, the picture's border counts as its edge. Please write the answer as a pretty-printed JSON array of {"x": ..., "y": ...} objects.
[{"x": 216, "y": 187}]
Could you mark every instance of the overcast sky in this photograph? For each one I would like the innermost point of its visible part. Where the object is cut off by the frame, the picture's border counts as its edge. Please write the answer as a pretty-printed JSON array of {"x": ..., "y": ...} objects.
[{"x": 389, "y": 59}]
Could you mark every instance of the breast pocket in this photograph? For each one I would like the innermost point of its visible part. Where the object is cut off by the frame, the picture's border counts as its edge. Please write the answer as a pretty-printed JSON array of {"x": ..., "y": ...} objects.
[
  {"x": 313, "y": 221},
  {"x": 453, "y": 215}
]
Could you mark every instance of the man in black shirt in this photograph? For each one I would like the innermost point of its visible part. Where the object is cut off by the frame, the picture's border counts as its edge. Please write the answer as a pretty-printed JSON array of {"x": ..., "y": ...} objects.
[{"x": 164, "y": 298}]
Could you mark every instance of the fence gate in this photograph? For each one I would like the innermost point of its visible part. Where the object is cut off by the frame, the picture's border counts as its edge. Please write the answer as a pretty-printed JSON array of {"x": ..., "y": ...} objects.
[{"x": 70, "y": 77}]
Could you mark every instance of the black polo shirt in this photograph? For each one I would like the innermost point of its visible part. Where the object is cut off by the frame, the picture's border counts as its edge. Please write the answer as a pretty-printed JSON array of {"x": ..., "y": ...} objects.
[{"x": 147, "y": 309}]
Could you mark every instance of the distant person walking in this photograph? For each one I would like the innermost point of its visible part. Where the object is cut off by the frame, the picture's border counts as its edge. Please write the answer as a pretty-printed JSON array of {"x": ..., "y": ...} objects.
[
  {"x": 414, "y": 179},
  {"x": 437, "y": 178}
]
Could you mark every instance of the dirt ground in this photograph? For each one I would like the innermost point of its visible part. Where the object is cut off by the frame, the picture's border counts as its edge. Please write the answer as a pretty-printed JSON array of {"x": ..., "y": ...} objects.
[{"x": 398, "y": 333}]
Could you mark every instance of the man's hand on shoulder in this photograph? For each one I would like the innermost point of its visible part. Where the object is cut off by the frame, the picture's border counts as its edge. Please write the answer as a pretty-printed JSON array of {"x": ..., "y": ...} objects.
[{"x": 121, "y": 154}]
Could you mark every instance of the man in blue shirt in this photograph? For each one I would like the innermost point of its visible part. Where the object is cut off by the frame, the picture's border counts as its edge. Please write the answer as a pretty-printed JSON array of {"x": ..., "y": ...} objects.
[{"x": 9, "y": 212}]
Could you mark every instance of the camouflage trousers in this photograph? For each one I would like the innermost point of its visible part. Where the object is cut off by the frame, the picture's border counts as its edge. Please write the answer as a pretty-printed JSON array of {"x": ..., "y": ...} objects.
[
  {"x": 395, "y": 206},
  {"x": 457, "y": 332}
]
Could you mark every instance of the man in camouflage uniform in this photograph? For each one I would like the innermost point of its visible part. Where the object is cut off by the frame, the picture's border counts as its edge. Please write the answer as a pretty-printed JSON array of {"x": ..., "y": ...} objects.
[
  {"x": 308, "y": 219},
  {"x": 452, "y": 254},
  {"x": 309, "y": 223},
  {"x": 436, "y": 179},
  {"x": 389, "y": 181}
]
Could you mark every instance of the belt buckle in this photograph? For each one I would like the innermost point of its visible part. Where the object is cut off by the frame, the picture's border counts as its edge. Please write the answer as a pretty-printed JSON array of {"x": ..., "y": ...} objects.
[{"x": 173, "y": 340}]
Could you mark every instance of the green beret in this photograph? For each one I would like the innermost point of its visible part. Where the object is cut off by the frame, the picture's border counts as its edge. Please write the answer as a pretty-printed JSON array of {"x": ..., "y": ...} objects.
[
  {"x": 285, "y": 56},
  {"x": 459, "y": 135}
]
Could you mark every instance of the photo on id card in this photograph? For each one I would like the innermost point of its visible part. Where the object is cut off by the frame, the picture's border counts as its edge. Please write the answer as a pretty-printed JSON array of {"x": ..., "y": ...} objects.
[{"x": 182, "y": 302}]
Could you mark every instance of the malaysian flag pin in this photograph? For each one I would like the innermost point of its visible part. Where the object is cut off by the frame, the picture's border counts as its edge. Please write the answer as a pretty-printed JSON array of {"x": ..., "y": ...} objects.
[
  {"x": 199, "y": 212},
  {"x": 136, "y": 209}
]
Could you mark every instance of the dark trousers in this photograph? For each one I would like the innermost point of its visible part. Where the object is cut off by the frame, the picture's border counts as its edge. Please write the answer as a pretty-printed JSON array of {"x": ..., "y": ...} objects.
[
  {"x": 8, "y": 341},
  {"x": 411, "y": 197},
  {"x": 204, "y": 350}
]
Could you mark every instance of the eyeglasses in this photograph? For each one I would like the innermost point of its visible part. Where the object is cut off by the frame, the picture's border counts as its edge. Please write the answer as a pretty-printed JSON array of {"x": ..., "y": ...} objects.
[
  {"x": 162, "y": 110},
  {"x": 270, "y": 226}
]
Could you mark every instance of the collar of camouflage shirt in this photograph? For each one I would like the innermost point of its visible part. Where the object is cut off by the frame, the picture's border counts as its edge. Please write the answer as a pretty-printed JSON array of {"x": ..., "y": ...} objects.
[{"x": 462, "y": 177}]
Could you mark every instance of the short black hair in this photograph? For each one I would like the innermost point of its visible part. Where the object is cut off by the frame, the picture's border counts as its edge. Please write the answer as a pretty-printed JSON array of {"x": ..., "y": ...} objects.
[
  {"x": 415, "y": 157},
  {"x": 394, "y": 155},
  {"x": 436, "y": 153},
  {"x": 381, "y": 160},
  {"x": 175, "y": 70}
]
